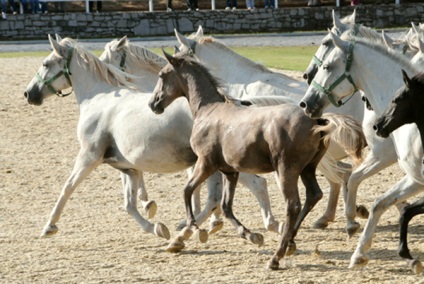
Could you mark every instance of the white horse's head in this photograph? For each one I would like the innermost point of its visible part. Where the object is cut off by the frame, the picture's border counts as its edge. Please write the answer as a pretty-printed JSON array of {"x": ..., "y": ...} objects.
[
  {"x": 114, "y": 52},
  {"x": 53, "y": 76},
  {"x": 418, "y": 59},
  {"x": 339, "y": 27},
  {"x": 332, "y": 82},
  {"x": 188, "y": 45}
]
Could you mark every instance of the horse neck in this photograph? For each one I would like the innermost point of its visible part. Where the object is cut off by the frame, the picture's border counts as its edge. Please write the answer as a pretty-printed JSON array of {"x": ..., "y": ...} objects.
[
  {"x": 199, "y": 91},
  {"x": 86, "y": 84},
  {"x": 384, "y": 70}
]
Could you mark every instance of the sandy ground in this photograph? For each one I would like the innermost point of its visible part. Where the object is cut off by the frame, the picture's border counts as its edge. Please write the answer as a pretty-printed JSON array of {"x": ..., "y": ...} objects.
[{"x": 99, "y": 242}]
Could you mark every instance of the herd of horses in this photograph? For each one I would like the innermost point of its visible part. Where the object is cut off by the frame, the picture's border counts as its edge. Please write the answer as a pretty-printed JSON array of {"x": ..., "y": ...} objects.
[{"x": 143, "y": 112}]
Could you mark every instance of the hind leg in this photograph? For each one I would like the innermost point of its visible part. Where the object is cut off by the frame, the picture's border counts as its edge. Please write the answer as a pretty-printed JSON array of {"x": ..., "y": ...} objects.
[
  {"x": 408, "y": 213},
  {"x": 288, "y": 184},
  {"x": 230, "y": 183},
  {"x": 131, "y": 187}
]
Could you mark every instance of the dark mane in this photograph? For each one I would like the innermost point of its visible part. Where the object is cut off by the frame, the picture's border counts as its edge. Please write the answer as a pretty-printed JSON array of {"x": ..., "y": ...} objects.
[{"x": 216, "y": 83}]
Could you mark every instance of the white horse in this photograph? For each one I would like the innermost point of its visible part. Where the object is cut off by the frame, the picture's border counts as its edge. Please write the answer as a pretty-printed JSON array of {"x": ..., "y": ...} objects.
[
  {"x": 382, "y": 153},
  {"x": 145, "y": 66},
  {"x": 245, "y": 79},
  {"x": 370, "y": 60},
  {"x": 116, "y": 126}
]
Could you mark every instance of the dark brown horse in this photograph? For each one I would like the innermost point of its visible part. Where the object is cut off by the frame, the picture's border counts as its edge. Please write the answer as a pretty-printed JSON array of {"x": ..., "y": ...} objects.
[
  {"x": 406, "y": 107},
  {"x": 233, "y": 138}
]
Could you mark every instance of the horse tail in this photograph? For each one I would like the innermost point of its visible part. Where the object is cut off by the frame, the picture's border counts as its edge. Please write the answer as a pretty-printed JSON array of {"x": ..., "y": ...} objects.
[{"x": 344, "y": 130}]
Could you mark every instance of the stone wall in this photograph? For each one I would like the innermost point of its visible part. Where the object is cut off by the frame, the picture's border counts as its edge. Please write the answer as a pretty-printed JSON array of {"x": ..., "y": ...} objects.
[{"x": 117, "y": 24}]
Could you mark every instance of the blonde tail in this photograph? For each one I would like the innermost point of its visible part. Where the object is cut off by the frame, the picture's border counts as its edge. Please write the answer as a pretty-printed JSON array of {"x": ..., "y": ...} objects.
[{"x": 344, "y": 130}]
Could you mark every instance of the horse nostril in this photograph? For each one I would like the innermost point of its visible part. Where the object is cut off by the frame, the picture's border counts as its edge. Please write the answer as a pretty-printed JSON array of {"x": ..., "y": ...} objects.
[
  {"x": 375, "y": 127},
  {"x": 305, "y": 76},
  {"x": 26, "y": 94},
  {"x": 302, "y": 104}
]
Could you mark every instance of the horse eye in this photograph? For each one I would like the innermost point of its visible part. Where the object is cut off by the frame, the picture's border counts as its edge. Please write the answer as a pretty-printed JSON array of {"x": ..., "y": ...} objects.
[
  {"x": 45, "y": 65},
  {"x": 326, "y": 67}
]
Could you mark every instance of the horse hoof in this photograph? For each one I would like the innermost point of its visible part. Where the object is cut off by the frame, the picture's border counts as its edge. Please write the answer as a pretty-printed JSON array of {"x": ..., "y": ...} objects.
[
  {"x": 49, "y": 231},
  {"x": 162, "y": 231},
  {"x": 415, "y": 265},
  {"x": 321, "y": 223},
  {"x": 186, "y": 233},
  {"x": 358, "y": 261},
  {"x": 202, "y": 235},
  {"x": 352, "y": 229},
  {"x": 150, "y": 208},
  {"x": 273, "y": 265},
  {"x": 257, "y": 239},
  {"x": 215, "y": 226},
  {"x": 362, "y": 212},
  {"x": 291, "y": 248},
  {"x": 175, "y": 247}
]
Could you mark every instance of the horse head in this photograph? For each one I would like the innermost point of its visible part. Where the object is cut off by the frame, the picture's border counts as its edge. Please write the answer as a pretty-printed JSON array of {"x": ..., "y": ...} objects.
[
  {"x": 332, "y": 81},
  {"x": 53, "y": 76},
  {"x": 168, "y": 87},
  {"x": 339, "y": 27},
  {"x": 401, "y": 109}
]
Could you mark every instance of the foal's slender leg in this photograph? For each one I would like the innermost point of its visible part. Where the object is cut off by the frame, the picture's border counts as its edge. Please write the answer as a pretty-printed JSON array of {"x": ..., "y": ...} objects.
[
  {"x": 200, "y": 173},
  {"x": 230, "y": 183},
  {"x": 288, "y": 183},
  {"x": 258, "y": 186},
  {"x": 84, "y": 165},
  {"x": 408, "y": 213},
  {"x": 131, "y": 187}
]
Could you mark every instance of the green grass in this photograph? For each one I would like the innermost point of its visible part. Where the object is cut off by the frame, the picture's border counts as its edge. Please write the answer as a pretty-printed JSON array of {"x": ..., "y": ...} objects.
[{"x": 295, "y": 58}]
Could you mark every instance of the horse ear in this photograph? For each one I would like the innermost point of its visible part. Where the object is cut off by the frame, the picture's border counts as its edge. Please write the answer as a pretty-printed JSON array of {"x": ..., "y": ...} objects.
[
  {"x": 338, "y": 41},
  {"x": 122, "y": 42},
  {"x": 387, "y": 40},
  {"x": 58, "y": 38},
  {"x": 176, "y": 49},
  {"x": 199, "y": 32},
  {"x": 336, "y": 21},
  {"x": 415, "y": 28},
  {"x": 171, "y": 59},
  {"x": 181, "y": 39},
  {"x": 353, "y": 17},
  {"x": 60, "y": 50},
  {"x": 406, "y": 78}
]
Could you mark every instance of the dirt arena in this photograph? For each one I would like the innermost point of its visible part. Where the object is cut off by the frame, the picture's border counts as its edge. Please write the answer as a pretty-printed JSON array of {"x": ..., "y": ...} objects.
[{"x": 98, "y": 242}]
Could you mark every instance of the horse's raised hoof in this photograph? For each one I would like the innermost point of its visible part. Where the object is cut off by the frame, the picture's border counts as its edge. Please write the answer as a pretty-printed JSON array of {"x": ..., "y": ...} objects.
[
  {"x": 291, "y": 248},
  {"x": 352, "y": 229},
  {"x": 215, "y": 226},
  {"x": 256, "y": 238},
  {"x": 162, "y": 231},
  {"x": 321, "y": 223},
  {"x": 49, "y": 230},
  {"x": 273, "y": 264},
  {"x": 415, "y": 265},
  {"x": 202, "y": 235},
  {"x": 175, "y": 247},
  {"x": 151, "y": 208},
  {"x": 358, "y": 261},
  {"x": 362, "y": 212}
]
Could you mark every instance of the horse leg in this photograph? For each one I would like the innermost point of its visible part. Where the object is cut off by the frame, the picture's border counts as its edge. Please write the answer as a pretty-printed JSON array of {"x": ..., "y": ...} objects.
[
  {"x": 408, "y": 213},
  {"x": 130, "y": 190},
  {"x": 149, "y": 206},
  {"x": 375, "y": 161},
  {"x": 200, "y": 173},
  {"x": 330, "y": 213},
  {"x": 196, "y": 195},
  {"x": 229, "y": 188},
  {"x": 82, "y": 168},
  {"x": 401, "y": 191},
  {"x": 258, "y": 186},
  {"x": 288, "y": 183},
  {"x": 214, "y": 185}
]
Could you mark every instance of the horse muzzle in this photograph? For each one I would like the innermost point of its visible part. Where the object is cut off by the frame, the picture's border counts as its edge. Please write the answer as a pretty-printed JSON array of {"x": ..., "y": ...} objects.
[
  {"x": 380, "y": 127},
  {"x": 32, "y": 99}
]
